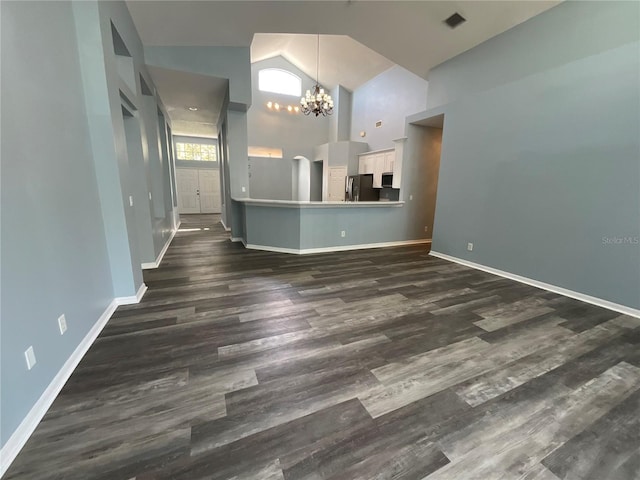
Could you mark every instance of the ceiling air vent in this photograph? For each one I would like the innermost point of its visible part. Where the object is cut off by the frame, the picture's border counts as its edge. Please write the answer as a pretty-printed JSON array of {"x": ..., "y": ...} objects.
[{"x": 454, "y": 20}]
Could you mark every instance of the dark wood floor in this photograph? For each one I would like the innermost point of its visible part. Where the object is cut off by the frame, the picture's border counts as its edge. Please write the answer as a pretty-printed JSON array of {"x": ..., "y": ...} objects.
[{"x": 372, "y": 364}]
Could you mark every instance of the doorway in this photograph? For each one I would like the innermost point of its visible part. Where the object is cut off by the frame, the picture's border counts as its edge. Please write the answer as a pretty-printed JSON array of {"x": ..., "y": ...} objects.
[
  {"x": 420, "y": 178},
  {"x": 198, "y": 190},
  {"x": 337, "y": 179}
]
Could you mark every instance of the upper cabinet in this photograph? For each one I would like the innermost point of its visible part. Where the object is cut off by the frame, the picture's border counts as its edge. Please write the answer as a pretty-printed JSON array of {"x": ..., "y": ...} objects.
[
  {"x": 389, "y": 160},
  {"x": 377, "y": 163}
]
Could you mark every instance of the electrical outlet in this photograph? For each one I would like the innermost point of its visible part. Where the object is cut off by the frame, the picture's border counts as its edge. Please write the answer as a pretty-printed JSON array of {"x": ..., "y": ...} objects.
[
  {"x": 30, "y": 356},
  {"x": 149, "y": 195},
  {"x": 410, "y": 197},
  {"x": 426, "y": 228},
  {"x": 131, "y": 200},
  {"x": 62, "y": 324},
  {"x": 470, "y": 246},
  {"x": 244, "y": 189},
  {"x": 343, "y": 233}
]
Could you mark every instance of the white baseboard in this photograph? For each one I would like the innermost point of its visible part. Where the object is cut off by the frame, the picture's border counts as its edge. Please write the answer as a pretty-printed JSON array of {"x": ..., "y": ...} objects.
[
  {"x": 156, "y": 264},
  {"x": 133, "y": 299},
  {"x": 224, "y": 226},
  {"x": 176, "y": 218},
  {"x": 238, "y": 239},
  {"x": 339, "y": 248},
  {"x": 26, "y": 428},
  {"x": 616, "y": 307}
]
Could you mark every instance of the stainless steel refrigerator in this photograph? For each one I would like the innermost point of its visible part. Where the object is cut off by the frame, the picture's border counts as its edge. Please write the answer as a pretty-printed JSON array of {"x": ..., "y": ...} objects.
[{"x": 359, "y": 188}]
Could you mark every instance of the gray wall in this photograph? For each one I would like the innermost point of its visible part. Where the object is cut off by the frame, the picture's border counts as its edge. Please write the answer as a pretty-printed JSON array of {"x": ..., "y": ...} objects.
[
  {"x": 340, "y": 120},
  {"x": 560, "y": 36},
  {"x": 223, "y": 62},
  {"x": 140, "y": 189},
  {"x": 195, "y": 163},
  {"x": 54, "y": 253},
  {"x": 540, "y": 160},
  {"x": 316, "y": 181},
  {"x": 291, "y": 132},
  {"x": 270, "y": 178},
  {"x": 99, "y": 73},
  {"x": 69, "y": 235},
  {"x": 390, "y": 97}
]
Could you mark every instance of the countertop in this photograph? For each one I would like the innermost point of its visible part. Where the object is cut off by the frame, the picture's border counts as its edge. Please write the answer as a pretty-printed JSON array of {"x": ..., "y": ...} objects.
[{"x": 258, "y": 202}]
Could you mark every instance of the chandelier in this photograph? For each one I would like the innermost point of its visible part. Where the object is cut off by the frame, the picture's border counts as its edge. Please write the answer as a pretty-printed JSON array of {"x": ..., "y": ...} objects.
[{"x": 317, "y": 101}]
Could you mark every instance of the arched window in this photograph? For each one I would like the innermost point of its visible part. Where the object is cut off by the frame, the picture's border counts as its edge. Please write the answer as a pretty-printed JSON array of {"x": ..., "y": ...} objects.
[{"x": 279, "y": 81}]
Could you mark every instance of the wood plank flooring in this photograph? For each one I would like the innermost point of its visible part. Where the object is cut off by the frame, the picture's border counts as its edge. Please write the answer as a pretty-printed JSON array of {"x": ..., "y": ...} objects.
[{"x": 371, "y": 364}]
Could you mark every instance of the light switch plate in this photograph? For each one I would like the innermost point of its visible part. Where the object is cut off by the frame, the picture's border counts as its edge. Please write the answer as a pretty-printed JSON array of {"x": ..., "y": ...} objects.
[
  {"x": 131, "y": 200},
  {"x": 62, "y": 324},
  {"x": 30, "y": 356}
]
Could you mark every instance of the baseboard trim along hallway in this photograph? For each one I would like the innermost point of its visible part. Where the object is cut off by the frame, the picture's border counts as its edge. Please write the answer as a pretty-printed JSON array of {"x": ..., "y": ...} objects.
[
  {"x": 156, "y": 264},
  {"x": 338, "y": 248},
  {"x": 616, "y": 307},
  {"x": 16, "y": 442}
]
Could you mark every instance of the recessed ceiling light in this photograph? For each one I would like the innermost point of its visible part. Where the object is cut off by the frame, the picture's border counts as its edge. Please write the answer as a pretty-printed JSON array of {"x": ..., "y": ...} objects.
[{"x": 193, "y": 109}]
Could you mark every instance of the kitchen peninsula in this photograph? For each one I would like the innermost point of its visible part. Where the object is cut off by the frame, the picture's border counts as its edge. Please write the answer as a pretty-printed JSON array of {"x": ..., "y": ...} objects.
[{"x": 311, "y": 227}]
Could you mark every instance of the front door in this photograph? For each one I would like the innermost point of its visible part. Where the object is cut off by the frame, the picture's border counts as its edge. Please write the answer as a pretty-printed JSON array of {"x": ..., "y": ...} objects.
[
  {"x": 188, "y": 190},
  {"x": 209, "y": 181}
]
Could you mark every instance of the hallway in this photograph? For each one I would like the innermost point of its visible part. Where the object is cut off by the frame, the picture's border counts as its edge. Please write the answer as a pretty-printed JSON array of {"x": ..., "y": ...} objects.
[{"x": 369, "y": 364}]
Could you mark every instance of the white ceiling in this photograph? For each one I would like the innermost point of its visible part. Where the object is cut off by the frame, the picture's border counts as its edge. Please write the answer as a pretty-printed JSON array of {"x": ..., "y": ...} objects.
[
  {"x": 342, "y": 60},
  {"x": 181, "y": 90},
  {"x": 409, "y": 33},
  {"x": 359, "y": 39}
]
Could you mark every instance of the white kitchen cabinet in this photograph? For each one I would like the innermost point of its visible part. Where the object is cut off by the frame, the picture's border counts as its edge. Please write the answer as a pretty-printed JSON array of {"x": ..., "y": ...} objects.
[
  {"x": 367, "y": 164},
  {"x": 377, "y": 163},
  {"x": 378, "y": 169},
  {"x": 397, "y": 163},
  {"x": 389, "y": 160}
]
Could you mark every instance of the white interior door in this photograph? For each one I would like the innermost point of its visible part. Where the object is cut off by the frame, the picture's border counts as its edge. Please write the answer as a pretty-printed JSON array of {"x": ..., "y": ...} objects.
[
  {"x": 337, "y": 177},
  {"x": 188, "y": 185},
  {"x": 209, "y": 181}
]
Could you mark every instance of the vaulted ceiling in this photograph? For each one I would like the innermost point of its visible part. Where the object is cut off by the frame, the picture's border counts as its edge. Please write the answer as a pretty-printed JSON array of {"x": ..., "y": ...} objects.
[
  {"x": 342, "y": 60},
  {"x": 359, "y": 38},
  {"x": 409, "y": 33}
]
